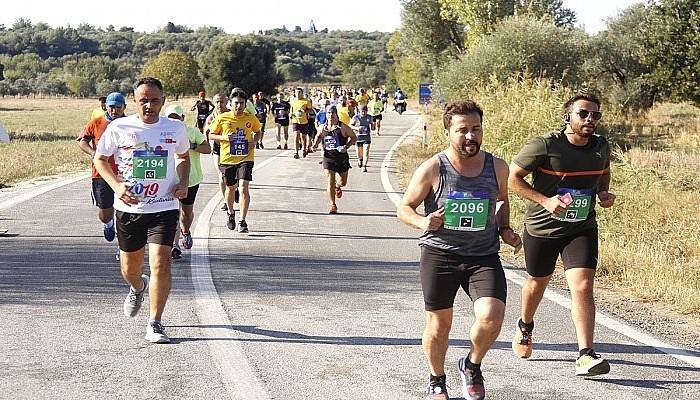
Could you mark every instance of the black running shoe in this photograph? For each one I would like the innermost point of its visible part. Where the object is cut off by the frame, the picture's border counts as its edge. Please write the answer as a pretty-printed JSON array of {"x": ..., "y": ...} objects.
[
  {"x": 437, "y": 389},
  {"x": 472, "y": 381},
  {"x": 231, "y": 223}
]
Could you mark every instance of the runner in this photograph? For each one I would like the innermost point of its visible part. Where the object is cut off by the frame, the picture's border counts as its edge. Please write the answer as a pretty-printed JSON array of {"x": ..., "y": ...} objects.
[
  {"x": 281, "y": 109},
  {"x": 204, "y": 107},
  {"x": 376, "y": 106},
  {"x": 221, "y": 103},
  {"x": 460, "y": 188},
  {"x": 237, "y": 131},
  {"x": 300, "y": 120},
  {"x": 151, "y": 154},
  {"x": 337, "y": 137},
  {"x": 385, "y": 99},
  {"x": 571, "y": 169},
  {"x": 261, "y": 109},
  {"x": 102, "y": 193},
  {"x": 311, "y": 127},
  {"x": 101, "y": 110},
  {"x": 362, "y": 98},
  {"x": 198, "y": 145},
  {"x": 362, "y": 125}
]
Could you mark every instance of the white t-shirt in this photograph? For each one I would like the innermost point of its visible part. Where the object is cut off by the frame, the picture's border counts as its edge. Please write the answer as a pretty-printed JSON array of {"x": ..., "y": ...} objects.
[{"x": 145, "y": 156}]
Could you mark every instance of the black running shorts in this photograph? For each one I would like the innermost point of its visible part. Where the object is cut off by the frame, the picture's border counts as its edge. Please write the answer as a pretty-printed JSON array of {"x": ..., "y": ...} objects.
[
  {"x": 102, "y": 194},
  {"x": 135, "y": 230},
  {"x": 376, "y": 118},
  {"x": 339, "y": 164},
  {"x": 282, "y": 122},
  {"x": 299, "y": 128},
  {"x": 442, "y": 274},
  {"x": 191, "y": 195},
  {"x": 235, "y": 172},
  {"x": 577, "y": 251}
]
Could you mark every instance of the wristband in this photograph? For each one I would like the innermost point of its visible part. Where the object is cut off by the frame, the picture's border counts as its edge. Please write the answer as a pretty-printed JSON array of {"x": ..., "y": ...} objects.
[{"x": 193, "y": 146}]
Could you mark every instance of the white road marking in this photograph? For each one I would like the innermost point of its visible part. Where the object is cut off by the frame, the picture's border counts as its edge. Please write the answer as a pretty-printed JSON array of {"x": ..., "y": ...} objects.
[
  {"x": 31, "y": 193},
  {"x": 236, "y": 373},
  {"x": 601, "y": 318}
]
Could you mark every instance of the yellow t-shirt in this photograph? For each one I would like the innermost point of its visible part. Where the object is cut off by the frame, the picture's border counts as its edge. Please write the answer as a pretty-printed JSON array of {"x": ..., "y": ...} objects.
[
  {"x": 240, "y": 130},
  {"x": 300, "y": 108},
  {"x": 344, "y": 115},
  {"x": 363, "y": 99},
  {"x": 98, "y": 112}
]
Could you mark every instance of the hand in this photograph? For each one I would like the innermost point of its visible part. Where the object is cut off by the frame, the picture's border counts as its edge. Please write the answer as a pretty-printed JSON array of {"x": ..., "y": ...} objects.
[
  {"x": 606, "y": 199},
  {"x": 342, "y": 149},
  {"x": 125, "y": 195},
  {"x": 434, "y": 220},
  {"x": 554, "y": 205},
  {"x": 180, "y": 191},
  {"x": 511, "y": 238}
]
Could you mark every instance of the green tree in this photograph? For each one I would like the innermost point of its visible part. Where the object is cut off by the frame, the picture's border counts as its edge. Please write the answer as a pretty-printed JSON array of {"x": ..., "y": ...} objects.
[
  {"x": 246, "y": 62},
  {"x": 176, "y": 70},
  {"x": 672, "y": 48}
]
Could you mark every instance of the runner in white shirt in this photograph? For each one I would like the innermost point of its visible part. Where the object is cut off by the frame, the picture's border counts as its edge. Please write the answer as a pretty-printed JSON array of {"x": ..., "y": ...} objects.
[{"x": 151, "y": 154}]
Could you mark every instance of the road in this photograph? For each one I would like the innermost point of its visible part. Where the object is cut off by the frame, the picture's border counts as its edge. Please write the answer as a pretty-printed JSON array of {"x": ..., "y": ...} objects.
[{"x": 307, "y": 305}]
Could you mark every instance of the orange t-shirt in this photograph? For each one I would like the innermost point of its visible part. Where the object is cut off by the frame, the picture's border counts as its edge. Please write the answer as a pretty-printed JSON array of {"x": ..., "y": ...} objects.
[{"x": 93, "y": 131}]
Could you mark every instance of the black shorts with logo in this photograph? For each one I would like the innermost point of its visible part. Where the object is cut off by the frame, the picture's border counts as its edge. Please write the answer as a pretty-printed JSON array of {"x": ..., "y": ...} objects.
[
  {"x": 234, "y": 172},
  {"x": 135, "y": 230},
  {"x": 102, "y": 194},
  {"x": 577, "y": 251},
  {"x": 442, "y": 274},
  {"x": 191, "y": 195}
]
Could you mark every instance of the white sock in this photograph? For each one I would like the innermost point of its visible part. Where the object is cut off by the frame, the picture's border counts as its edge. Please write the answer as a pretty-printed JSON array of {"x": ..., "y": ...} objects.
[{"x": 110, "y": 223}]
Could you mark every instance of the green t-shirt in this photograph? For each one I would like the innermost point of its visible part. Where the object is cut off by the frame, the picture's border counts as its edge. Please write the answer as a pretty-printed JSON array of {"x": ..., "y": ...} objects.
[
  {"x": 196, "y": 175},
  {"x": 561, "y": 168}
]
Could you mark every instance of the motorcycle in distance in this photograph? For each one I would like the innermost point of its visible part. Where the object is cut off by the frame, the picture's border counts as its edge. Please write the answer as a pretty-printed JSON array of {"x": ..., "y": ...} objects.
[{"x": 400, "y": 105}]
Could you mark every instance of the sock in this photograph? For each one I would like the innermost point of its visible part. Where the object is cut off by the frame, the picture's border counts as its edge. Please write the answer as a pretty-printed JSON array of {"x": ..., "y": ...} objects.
[
  {"x": 434, "y": 378},
  {"x": 110, "y": 223},
  {"x": 470, "y": 365},
  {"x": 150, "y": 321},
  {"x": 584, "y": 351},
  {"x": 523, "y": 325}
]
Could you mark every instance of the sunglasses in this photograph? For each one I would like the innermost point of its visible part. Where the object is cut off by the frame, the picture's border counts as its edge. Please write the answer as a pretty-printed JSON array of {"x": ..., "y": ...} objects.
[{"x": 583, "y": 114}]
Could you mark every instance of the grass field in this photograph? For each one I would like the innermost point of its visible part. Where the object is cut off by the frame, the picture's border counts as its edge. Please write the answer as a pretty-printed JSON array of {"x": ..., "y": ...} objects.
[
  {"x": 650, "y": 240},
  {"x": 43, "y": 132}
]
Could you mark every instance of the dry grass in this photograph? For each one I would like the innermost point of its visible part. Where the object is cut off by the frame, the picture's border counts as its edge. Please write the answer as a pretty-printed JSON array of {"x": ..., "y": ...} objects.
[{"x": 650, "y": 240}]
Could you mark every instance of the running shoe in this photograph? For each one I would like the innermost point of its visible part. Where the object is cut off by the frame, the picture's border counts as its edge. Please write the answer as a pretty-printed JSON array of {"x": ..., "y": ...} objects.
[
  {"x": 257, "y": 145},
  {"x": 155, "y": 333},
  {"x": 472, "y": 381},
  {"x": 286, "y": 147},
  {"x": 333, "y": 210},
  {"x": 437, "y": 389},
  {"x": 116, "y": 256},
  {"x": 279, "y": 147},
  {"x": 359, "y": 164},
  {"x": 133, "y": 301},
  {"x": 231, "y": 224},
  {"x": 305, "y": 153},
  {"x": 338, "y": 192},
  {"x": 109, "y": 232},
  {"x": 175, "y": 253},
  {"x": 522, "y": 342},
  {"x": 224, "y": 207},
  {"x": 296, "y": 156},
  {"x": 242, "y": 226},
  {"x": 186, "y": 240},
  {"x": 591, "y": 364},
  {"x": 262, "y": 146},
  {"x": 364, "y": 169}
]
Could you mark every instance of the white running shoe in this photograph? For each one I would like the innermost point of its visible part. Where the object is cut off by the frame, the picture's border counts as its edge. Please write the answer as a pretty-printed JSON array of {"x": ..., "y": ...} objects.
[
  {"x": 155, "y": 333},
  {"x": 133, "y": 301}
]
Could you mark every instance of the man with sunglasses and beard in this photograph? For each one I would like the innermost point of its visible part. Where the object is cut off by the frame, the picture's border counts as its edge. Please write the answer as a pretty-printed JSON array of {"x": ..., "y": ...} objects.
[
  {"x": 571, "y": 171},
  {"x": 465, "y": 194}
]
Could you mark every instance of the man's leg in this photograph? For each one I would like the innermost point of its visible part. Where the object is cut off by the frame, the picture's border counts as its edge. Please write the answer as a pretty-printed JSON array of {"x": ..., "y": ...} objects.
[
  {"x": 132, "y": 267},
  {"x": 160, "y": 283},
  {"x": 366, "y": 155},
  {"x": 488, "y": 319},
  {"x": 580, "y": 282},
  {"x": 435, "y": 339},
  {"x": 343, "y": 179},
  {"x": 532, "y": 293},
  {"x": 359, "y": 154},
  {"x": 230, "y": 195},
  {"x": 106, "y": 215},
  {"x": 278, "y": 135},
  {"x": 330, "y": 188},
  {"x": 297, "y": 142},
  {"x": 244, "y": 190},
  {"x": 286, "y": 134}
]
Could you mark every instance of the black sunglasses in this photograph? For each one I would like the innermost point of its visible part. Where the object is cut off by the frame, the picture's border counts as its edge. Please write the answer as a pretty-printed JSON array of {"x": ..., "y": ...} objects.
[{"x": 583, "y": 114}]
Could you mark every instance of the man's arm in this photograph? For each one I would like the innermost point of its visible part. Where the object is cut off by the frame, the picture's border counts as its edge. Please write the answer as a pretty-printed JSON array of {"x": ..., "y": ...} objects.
[
  {"x": 348, "y": 133},
  {"x": 182, "y": 167},
  {"x": 518, "y": 184},
  {"x": 121, "y": 189},
  {"x": 505, "y": 231},
  {"x": 418, "y": 190},
  {"x": 85, "y": 144},
  {"x": 605, "y": 198}
]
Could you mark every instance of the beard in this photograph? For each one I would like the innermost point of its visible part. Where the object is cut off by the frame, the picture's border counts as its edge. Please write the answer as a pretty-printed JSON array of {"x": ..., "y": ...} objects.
[{"x": 469, "y": 148}]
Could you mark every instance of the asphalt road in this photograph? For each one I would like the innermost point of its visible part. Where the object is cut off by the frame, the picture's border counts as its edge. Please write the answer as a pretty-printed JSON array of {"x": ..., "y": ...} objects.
[{"x": 306, "y": 305}]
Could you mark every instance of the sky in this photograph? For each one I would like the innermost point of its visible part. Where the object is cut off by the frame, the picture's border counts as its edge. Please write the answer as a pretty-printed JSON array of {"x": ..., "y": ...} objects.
[{"x": 236, "y": 16}]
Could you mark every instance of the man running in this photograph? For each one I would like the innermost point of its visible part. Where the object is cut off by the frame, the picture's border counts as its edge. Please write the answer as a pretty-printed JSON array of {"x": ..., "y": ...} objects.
[
  {"x": 571, "y": 170},
  {"x": 151, "y": 154},
  {"x": 204, "y": 107},
  {"x": 198, "y": 145},
  {"x": 102, "y": 193},
  {"x": 261, "y": 109},
  {"x": 460, "y": 188},
  {"x": 362, "y": 98},
  {"x": 280, "y": 109},
  {"x": 237, "y": 131},
  {"x": 101, "y": 110},
  {"x": 337, "y": 139},
  {"x": 300, "y": 120},
  {"x": 375, "y": 107},
  {"x": 362, "y": 124},
  {"x": 221, "y": 103}
]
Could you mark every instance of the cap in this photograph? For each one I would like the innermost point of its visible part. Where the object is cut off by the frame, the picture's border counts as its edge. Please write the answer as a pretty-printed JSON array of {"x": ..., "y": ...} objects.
[
  {"x": 332, "y": 109},
  {"x": 174, "y": 109},
  {"x": 115, "y": 99},
  {"x": 202, "y": 93}
]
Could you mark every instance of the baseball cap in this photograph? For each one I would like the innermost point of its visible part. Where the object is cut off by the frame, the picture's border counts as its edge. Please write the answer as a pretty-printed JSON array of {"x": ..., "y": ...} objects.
[
  {"x": 174, "y": 109},
  {"x": 115, "y": 99}
]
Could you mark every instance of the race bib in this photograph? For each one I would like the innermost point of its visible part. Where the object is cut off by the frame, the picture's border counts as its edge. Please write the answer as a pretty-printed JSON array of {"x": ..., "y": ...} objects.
[
  {"x": 239, "y": 145},
  {"x": 299, "y": 113},
  {"x": 466, "y": 211},
  {"x": 281, "y": 114},
  {"x": 150, "y": 164},
  {"x": 330, "y": 142},
  {"x": 579, "y": 206},
  {"x": 364, "y": 130}
]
